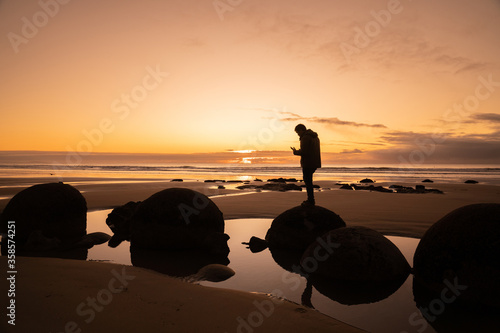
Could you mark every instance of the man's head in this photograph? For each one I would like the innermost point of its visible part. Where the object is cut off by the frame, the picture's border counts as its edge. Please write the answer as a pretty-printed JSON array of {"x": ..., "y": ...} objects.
[{"x": 300, "y": 129}]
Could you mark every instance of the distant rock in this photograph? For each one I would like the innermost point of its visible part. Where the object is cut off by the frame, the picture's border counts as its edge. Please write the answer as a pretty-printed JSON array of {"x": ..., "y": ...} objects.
[
  {"x": 356, "y": 254},
  {"x": 234, "y": 181},
  {"x": 366, "y": 181},
  {"x": 221, "y": 187},
  {"x": 257, "y": 180},
  {"x": 417, "y": 189},
  {"x": 215, "y": 181},
  {"x": 463, "y": 248},
  {"x": 371, "y": 188},
  {"x": 282, "y": 180},
  {"x": 346, "y": 187},
  {"x": 427, "y": 181},
  {"x": 470, "y": 181},
  {"x": 177, "y": 180},
  {"x": 298, "y": 227},
  {"x": 282, "y": 187}
]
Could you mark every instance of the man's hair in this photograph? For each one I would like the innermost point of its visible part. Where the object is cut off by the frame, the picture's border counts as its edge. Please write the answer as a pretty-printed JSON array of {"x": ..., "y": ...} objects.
[{"x": 300, "y": 127}]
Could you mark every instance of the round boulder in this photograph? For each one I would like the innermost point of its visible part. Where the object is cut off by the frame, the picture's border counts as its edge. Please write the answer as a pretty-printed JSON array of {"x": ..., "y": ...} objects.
[
  {"x": 355, "y": 254},
  {"x": 460, "y": 253},
  {"x": 298, "y": 227},
  {"x": 177, "y": 219},
  {"x": 47, "y": 216}
]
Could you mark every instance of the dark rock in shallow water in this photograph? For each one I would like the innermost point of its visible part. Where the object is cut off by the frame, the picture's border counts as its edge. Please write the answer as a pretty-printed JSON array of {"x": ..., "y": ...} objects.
[
  {"x": 281, "y": 187},
  {"x": 298, "y": 227},
  {"x": 355, "y": 254},
  {"x": 177, "y": 219},
  {"x": 256, "y": 244},
  {"x": 463, "y": 248},
  {"x": 177, "y": 180},
  {"x": 221, "y": 187},
  {"x": 470, "y": 181},
  {"x": 346, "y": 187},
  {"x": 366, "y": 181},
  {"x": 47, "y": 216},
  {"x": 427, "y": 181}
]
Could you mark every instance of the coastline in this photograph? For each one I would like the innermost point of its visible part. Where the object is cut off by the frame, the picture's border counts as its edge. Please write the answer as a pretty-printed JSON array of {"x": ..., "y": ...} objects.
[{"x": 398, "y": 214}]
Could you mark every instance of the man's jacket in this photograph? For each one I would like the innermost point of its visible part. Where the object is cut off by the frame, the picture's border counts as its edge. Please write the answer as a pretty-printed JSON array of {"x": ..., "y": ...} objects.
[{"x": 310, "y": 156}]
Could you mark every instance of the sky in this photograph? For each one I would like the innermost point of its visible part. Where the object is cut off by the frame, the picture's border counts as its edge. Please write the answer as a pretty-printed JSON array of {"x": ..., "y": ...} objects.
[{"x": 381, "y": 81}]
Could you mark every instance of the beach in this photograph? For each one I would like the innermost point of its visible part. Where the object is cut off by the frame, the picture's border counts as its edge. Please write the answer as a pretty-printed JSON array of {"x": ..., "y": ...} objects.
[
  {"x": 50, "y": 290},
  {"x": 404, "y": 214}
]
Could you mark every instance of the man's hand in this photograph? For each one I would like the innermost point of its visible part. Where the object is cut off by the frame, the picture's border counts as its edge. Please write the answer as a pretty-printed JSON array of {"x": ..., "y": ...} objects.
[{"x": 293, "y": 148}]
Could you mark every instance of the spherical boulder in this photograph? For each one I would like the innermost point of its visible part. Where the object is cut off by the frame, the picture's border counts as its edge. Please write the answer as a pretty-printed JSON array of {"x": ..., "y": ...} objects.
[
  {"x": 119, "y": 222},
  {"x": 299, "y": 226},
  {"x": 46, "y": 216},
  {"x": 460, "y": 253},
  {"x": 177, "y": 219},
  {"x": 356, "y": 254}
]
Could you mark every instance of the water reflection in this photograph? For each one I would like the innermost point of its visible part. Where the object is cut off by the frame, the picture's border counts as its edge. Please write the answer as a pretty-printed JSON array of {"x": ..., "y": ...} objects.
[
  {"x": 182, "y": 264},
  {"x": 344, "y": 292},
  {"x": 445, "y": 314}
]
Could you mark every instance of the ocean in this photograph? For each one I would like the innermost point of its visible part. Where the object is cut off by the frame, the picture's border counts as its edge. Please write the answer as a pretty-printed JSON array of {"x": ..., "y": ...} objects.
[{"x": 196, "y": 172}]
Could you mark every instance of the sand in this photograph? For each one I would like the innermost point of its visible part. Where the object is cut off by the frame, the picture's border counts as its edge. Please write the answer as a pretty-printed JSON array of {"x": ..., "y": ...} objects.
[
  {"x": 49, "y": 291},
  {"x": 58, "y": 295}
]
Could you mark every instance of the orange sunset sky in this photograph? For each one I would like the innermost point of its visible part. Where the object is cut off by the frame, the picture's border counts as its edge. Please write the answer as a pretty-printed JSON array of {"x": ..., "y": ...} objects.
[{"x": 381, "y": 81}]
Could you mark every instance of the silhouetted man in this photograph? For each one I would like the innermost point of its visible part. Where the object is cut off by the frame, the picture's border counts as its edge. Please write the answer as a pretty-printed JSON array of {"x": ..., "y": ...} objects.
[{"x": 310, "y": 158}]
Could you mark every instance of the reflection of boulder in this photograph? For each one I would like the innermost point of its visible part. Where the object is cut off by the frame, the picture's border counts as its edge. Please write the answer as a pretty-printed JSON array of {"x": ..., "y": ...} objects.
[
  {"x": 352, "y": 293},
  {"x": 174, "y": 219},
  {"x": 49, "y": 218},
  {"x": 463, "y": 247},
  {"x": 196, "y": 264},
  {"x": 355, "y": 254},
  {"x": 344, "y": 292},
  {"x": 298, "y": 227},
  {"x": 444, "y": 314}
]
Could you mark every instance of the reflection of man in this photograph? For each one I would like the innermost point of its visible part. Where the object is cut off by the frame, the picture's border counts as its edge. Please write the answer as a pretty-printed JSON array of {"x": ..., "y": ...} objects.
[{"x": 310, "y": 158}]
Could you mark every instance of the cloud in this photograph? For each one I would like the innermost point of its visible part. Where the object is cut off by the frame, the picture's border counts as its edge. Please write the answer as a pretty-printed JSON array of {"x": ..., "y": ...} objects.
[
  {"x": 327, "y": 121},
  {"x": 428, "y": 148},
  {"x": 487, "y": 117},
  {"x": 352, "y": 151}
]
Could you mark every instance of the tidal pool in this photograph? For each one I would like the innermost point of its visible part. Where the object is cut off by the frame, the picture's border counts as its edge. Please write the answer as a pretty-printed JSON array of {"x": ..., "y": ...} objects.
[{"x": 373, "y": 310}]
